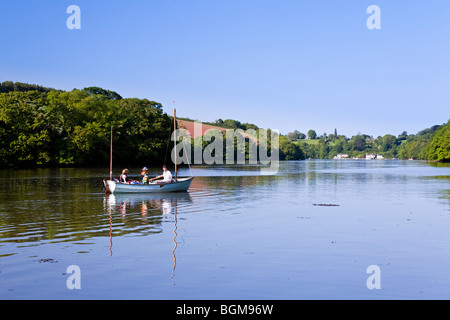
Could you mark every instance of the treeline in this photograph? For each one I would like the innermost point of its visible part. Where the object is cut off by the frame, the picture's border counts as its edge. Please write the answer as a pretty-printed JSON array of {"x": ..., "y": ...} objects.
[
  {"x": 46, "y": 127},
  {"x": 42, "y": 126},
  {"x": 429, "y": 144},
  {"x": 58, "y": 128},
  {"x": 287, "y": 149},
  {"x": 8, "y": 86},
  {"x": 249, "y": 146}
]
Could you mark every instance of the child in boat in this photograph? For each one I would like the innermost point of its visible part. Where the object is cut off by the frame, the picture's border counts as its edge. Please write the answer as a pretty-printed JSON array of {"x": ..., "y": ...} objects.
[{"x": 145, "y": 176}]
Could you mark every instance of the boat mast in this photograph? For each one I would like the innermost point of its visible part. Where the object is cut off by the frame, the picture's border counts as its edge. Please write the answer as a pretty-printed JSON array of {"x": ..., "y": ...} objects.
[
  {"x": 110, "y": 156},
  {"x": 175, "y": 142}
]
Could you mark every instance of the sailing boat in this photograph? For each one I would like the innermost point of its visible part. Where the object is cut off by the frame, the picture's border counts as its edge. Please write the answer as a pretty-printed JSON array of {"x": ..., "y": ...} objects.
[{"x": 177, "y": 184}]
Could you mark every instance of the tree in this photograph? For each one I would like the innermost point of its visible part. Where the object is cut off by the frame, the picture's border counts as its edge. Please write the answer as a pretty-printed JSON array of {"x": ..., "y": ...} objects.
[
  {"x": 388, "y": 142},
  {"x": 102, "y": 92},
  {"x": 24, "y": 128},
  {"x": 359, "y": 143},
  {"x": 246, "y": 126},
  {"x": 312, "y": 134},
  {"x": 428, "y": 130},
  {"x": 414, "y": 148},
  {"x": 292, "y": 136},
  {"x": 290, "y": 150},
  {"x": 439, "y": 146},
  {"x": 232, "y": 124},
  {"x": 9, "y": 86},
  {"x": 295, "y": 135},
  {"x": 323, "y": 149},
  {"x": 73, "y": 128},
  {"x": 403, "y": 136}
]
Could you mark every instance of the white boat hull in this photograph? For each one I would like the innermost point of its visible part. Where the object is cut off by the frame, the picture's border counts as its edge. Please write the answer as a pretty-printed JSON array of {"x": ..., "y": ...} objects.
[{"x": 181, "y": 185}]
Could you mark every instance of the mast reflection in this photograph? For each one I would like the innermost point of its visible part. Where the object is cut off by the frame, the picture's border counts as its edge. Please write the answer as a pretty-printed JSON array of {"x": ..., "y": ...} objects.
[
  {"x": 152, "y": 210},
  {"x": 175, "y": 245}
]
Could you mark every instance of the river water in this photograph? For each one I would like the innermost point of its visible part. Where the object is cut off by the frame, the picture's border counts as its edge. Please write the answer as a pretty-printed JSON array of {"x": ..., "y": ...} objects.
[{"x": 309, "y": 232}]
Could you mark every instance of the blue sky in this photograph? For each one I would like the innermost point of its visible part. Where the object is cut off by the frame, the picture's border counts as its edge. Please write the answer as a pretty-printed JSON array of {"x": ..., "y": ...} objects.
[{"x": 285, "y": 64}]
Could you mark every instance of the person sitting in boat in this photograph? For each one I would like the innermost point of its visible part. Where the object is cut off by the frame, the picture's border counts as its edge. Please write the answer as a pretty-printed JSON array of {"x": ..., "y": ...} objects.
[
  {"x": 145, "y": 176},
  {"x": 167, "y": 177},
  {"x": 124, "y": 176}
]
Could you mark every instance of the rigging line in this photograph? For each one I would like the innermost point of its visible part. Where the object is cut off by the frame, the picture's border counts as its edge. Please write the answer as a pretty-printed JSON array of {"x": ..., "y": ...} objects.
[
  {"x": 167, "y": 146},
  {"x": 187, "y": 157}
]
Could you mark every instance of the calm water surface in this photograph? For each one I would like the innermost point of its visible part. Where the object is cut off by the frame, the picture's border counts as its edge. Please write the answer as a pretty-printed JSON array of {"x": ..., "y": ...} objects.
[{"x": 235, "y": 235}]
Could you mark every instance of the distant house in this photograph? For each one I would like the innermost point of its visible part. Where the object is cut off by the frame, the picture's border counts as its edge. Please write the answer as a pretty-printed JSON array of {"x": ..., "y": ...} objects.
[
  {"x": 370, "y": 156},
  {"x": 341, "y": 156},
  {"x": 380, "y": 157}
]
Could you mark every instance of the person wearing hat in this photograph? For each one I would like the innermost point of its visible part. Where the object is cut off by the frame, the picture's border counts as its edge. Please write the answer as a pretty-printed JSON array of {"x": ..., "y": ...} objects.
[{"x": 145, "y": 176}]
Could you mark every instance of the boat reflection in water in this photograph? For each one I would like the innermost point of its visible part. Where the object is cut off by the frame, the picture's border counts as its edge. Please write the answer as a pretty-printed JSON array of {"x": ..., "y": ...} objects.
[{"x": 144, "y": 213}]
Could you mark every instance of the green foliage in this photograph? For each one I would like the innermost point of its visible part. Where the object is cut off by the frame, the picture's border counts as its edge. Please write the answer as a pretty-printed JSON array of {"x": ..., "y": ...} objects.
[
  {"x": 24, "y": 134},
  {"x": 439, "y": 146},
  {"x": 292, "y": 136},
  {"x": 388, "y": 142},
  {"x": 100, "y": 91},
  {"x": 415, "y": 146},
  {"x": 73, "y": 128},
  {"x": 431, "y": 143},
  {"x": 233, "y": 124},
  {"x": 45, "y": 127},
  {"x": 359, "y": 143},
  {"x": 9, "y": 86},
  {"x": 289, "y": 150},
  {"x": 312, "y": 134}
]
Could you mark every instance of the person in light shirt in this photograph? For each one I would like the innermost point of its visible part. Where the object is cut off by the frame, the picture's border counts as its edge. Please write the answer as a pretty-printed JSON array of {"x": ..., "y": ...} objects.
[{"x": 167, "y": 177}]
